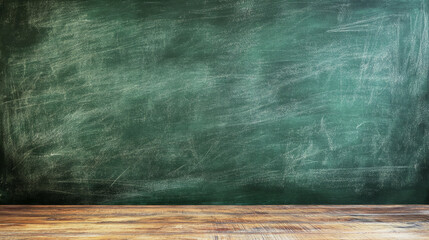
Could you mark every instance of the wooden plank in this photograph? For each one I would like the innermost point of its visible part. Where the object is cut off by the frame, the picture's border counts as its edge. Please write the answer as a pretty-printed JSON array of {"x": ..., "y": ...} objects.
[{"x": 214, "y": 222}]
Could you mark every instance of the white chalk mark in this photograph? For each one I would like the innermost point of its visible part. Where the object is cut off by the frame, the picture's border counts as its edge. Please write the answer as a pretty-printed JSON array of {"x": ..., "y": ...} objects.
[
  {"x": 119, "y": 176},
  {"x": 360, "y": 124},
  {"x": 323, "y": 128}
]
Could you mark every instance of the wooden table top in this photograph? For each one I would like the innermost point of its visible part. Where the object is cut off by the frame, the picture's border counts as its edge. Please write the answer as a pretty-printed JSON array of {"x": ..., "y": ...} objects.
[{"x": 215, "y": 222}]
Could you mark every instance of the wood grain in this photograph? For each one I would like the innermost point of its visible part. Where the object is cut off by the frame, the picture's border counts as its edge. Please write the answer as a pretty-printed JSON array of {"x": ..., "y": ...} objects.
[{"x": 214, "y": 222}]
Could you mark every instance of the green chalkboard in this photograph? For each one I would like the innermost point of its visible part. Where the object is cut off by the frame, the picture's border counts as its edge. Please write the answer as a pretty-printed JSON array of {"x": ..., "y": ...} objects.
[{"x": 214, "y": 102}]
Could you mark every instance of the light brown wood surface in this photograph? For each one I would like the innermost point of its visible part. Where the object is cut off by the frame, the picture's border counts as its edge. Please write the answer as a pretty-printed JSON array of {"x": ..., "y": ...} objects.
[{"x": 215, "y": 222}]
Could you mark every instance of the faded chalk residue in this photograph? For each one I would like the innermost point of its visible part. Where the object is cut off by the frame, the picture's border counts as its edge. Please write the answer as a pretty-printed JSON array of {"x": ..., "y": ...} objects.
[{"x": 214, "y": 102}]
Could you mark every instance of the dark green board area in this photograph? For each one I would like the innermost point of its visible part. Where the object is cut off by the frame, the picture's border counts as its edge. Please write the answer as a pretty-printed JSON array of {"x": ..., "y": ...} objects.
[{"x": 214, "y": 102}]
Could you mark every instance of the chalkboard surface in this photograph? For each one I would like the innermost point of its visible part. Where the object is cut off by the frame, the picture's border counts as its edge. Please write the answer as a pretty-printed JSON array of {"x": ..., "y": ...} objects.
[{"x": 214, "y": 102}]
